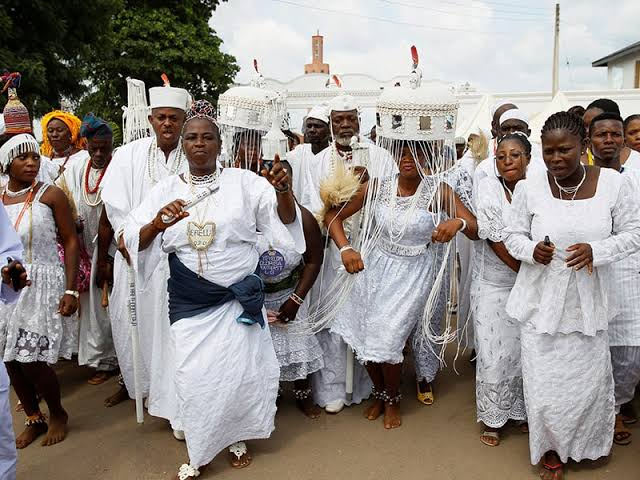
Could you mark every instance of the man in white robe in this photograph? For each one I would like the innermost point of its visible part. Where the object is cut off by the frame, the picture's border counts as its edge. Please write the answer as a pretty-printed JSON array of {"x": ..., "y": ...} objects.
[
  {"x": 316, "y": 138},
  {"x": 134, "y": 170},
  {"x": 82, "y": 182},
  {"x": 329, "y": 383},
  {"x": 606, "y": 137}
]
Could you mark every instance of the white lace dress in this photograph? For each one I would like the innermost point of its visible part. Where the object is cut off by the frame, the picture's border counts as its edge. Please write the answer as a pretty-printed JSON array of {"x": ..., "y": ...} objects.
[
  {"x": 298, "y": 354},
  {"x": 564, "y": 314},
  {"x": 31, "y": 330},
  {"x": 499, "y": 395},
  {"x": 389, "y": 295}
]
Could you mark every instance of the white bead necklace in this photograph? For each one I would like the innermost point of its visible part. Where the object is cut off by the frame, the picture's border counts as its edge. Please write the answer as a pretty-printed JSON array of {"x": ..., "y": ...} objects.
[
  {"x": 152, "y": 160},
  {"x": 12, "y": 194},
  {"x": 571, "y": 190}
]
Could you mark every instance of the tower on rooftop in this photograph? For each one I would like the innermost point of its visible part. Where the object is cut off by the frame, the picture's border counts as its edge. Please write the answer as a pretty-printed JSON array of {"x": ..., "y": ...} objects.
[{"x": 317, "y": 56}]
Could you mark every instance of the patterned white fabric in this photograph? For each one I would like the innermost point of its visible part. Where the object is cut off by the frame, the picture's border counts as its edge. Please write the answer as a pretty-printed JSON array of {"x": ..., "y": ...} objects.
[
  {"x": 95, "y": 347},
  {"x": 298, "y": 354},
  {"x": 625, "y": 362},
  {"x": 499, "y": 395},
  {"x": 236, "y": 399},
  {"x": 540, "y": 290},
  {"x": 568, "y": 391},
  {"x": 373, "y": 321},
  {"x": 126, "y": 183},
  {"x": 564, "y": 314},
  {"x": 31, "y": 330},
  {"x": 624, "y": 328}
]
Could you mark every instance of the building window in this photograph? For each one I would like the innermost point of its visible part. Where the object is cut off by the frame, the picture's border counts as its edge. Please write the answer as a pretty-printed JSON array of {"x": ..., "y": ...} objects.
[{"x": 616, "y": 78}]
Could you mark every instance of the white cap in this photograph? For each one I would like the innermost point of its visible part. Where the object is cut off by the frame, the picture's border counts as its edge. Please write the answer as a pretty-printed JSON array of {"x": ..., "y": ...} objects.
[
  {"x": 514, "y": 114},
  {"x": 319, "y": 112},
  {"x": 498, "y": 105},
  {"x": 342, "y": 103},
  {"x": 169, "y": 97}
]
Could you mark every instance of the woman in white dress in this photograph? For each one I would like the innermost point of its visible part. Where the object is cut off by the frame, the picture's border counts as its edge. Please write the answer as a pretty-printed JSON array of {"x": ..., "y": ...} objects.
[
  {"x": 499, "y": 396},
  {"x": 226, "y": 370},
  {"x": 373, "y": 320},
  {"x": 39, "y": 329},
  {"x": 565, "y": 228}
]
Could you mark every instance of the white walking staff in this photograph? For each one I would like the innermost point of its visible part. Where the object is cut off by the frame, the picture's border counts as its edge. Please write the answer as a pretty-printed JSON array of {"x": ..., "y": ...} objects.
[
  {"x": 135, "y": 344},
  {"x": 349, "y": 379}
]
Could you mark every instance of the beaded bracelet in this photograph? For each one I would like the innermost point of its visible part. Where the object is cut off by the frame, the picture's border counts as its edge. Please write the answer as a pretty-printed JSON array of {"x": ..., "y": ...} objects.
[{"x": 296, "y": 299}]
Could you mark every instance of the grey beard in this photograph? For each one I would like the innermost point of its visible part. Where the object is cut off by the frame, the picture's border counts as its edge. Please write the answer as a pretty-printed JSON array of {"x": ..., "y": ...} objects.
[{"x": 343, "y": 141}]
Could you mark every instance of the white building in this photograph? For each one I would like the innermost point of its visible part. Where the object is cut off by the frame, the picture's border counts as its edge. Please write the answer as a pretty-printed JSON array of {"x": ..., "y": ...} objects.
[
  {"x": 623, "y": 67},
  {"x": 316, "y": 86}
]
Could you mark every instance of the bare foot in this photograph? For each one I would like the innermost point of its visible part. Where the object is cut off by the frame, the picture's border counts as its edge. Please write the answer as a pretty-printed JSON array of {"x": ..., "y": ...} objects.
[
  {"x": 57, "y": 429},
  {"x": 309, "y": 407},
  {"x": 392, "y": 418},
  {"x": 29, "y": 434},
  {"x": 374, "y": 410},
  {"x": 552, "y": 468},
  {"x": 118, "y": 397},
  {"x": 238, "y": 458}
]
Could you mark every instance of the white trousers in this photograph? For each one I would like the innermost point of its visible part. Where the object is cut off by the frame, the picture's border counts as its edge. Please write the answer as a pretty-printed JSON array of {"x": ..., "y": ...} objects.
[{"x": 7, "y": 440}]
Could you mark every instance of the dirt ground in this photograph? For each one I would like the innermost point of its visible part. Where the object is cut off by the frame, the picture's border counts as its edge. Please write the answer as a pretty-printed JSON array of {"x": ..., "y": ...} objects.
[{"x": 439, "y": 442}]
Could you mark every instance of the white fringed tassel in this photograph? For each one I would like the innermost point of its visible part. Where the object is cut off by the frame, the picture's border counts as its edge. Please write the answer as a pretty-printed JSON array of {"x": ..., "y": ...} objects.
[{"x": 135, "y": 121}]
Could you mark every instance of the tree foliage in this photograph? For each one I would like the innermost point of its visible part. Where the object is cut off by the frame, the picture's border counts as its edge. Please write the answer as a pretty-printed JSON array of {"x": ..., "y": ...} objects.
[
  {"x": 149, "y": 38},
  {"x": 49, "y": 43},
  {"x": 84, "y": 51}
]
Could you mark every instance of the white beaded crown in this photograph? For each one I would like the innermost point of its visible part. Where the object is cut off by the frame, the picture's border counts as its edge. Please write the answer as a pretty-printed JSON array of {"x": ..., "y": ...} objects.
[
  {"x": 246, "y": 107},
  {"x": 416, "y": 112}
]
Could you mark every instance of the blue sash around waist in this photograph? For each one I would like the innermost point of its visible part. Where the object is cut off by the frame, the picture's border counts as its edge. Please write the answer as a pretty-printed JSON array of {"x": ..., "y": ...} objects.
[{"x": 190, "y": 294}]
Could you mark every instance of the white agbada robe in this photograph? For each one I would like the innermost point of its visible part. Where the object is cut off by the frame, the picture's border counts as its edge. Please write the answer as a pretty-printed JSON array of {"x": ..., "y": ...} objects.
[
  {"x": 328, "y": 384},
  {"x": 95, "y": 339},
  {"x": 126, "y": 184},
  {"x": 624, "y": 328},
  {"x": 226, "y": 373},
  {"x": 300, "y": 159}
]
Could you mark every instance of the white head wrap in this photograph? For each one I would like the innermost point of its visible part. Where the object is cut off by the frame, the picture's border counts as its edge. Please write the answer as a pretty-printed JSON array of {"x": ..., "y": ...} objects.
[
  {"x": 169, "y": 97},
  {"x": 15, "y": 146},
  {"x": 514, "y": 114},
  {"x": 319, "y": 112},
  {"x": 498, "y": 105}
]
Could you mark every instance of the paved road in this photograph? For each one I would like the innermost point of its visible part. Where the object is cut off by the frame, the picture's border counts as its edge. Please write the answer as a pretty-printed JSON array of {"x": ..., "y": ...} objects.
[{"x": 438, "y": 442}]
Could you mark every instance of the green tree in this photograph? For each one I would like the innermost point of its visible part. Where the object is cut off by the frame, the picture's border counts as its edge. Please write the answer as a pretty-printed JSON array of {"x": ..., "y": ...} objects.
[
  {"x": 49, "y": 43},
  {"x": 148, "y": 38}
]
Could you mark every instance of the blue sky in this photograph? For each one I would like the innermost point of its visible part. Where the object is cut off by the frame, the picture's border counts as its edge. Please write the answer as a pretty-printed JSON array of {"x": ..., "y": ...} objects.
[{"x": 497, "y": 46}]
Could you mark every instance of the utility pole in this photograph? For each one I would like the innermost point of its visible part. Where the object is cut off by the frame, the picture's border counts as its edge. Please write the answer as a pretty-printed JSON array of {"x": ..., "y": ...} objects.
[{"x": 555, "y": 83}]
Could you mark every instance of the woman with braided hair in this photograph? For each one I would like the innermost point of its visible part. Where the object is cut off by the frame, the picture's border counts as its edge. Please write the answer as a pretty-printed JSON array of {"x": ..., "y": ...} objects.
[{"x": 565, "y": 228}]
